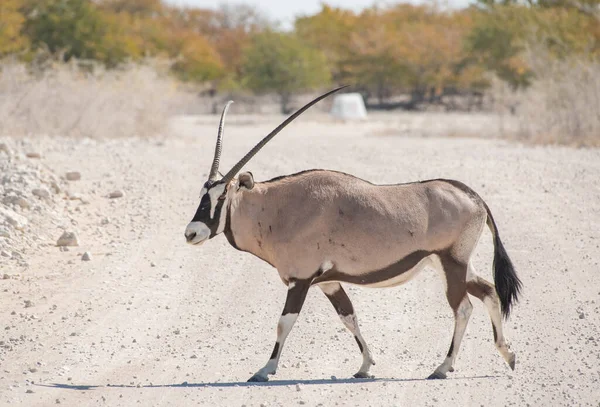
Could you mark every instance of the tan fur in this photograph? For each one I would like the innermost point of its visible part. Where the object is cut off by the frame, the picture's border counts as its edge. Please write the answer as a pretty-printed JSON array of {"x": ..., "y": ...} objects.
[{"x": 299, "y": 222}]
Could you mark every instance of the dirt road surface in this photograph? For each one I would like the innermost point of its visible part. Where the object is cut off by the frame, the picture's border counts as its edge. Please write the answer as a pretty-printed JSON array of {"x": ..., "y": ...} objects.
[{"x": 151, "y": 321}]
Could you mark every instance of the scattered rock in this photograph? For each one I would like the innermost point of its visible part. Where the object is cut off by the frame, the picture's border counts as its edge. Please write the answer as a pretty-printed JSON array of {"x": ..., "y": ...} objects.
[
  {"x": 68, "y": 239},
  {"x": 41, "y": 193},
  {"x": 73, "y": 175},
  {"x": 17, "y": 201},
  {"x": 116, "y": 194},
  {"x": 87, "y": 256},
  {"x": 193, "y": 357},
  {"x": 5, "y": 277},
  {"x": 4, "y": 253},
  {"x": 14, "y": 219},
  {"x": 33, "y": 154},
  {"x": 28, "y": 303},
  {"x": 581, "y": 315},
  {"x": 105, "y": 221},
  {"x": 29, "y": 391}
]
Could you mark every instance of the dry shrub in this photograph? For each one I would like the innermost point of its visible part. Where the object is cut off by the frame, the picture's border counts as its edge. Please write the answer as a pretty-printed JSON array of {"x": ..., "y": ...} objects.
[
  {"x": 64, "y": 99},
  {"x": 563, "y": 104}
]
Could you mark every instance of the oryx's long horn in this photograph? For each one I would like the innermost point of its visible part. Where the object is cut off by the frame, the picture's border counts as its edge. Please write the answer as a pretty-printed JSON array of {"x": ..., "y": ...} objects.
[
  {"x": 214, "y": 170},
  {"x": 236, "y": 168}
]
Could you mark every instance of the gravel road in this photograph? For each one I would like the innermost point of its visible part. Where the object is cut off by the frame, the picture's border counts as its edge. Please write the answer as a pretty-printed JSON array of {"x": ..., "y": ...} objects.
[{"x": 152, "y": 321}]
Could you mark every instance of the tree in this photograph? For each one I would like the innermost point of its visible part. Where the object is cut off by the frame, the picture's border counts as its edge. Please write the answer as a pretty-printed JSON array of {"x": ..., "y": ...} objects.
[
  {"x": 77, "y": 28},
  {"x": 11, "y": 22},
  {"x": 281, "y": 63}
]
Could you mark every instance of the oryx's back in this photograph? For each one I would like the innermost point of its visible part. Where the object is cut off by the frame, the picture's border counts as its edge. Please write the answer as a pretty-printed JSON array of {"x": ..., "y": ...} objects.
[{"x": 326, "y": 215}]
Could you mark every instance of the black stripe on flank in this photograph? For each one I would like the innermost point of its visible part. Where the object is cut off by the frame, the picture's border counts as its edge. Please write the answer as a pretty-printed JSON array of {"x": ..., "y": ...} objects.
[
  {"x": 275, "y": 351},
  {"x": 359, "y": 344},
  {"x": 377, "y": 276}
]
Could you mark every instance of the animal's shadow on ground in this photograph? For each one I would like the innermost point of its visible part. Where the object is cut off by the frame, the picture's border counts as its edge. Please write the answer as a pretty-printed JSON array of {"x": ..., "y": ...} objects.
[{"x": 272, "y": 383}]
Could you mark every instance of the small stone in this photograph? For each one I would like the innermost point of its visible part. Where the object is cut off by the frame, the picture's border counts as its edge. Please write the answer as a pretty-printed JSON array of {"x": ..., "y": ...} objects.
[
  {"x": 581, "y": 315},
  {"x": 87, "y": 256},
  {"x": 4, "y": 148},
  {"x": 32, "y": 369},
  {"x": 29, "y": 391},
  {"x": 68, "y": 239},
  {"x": 57, "y": 401},
  {"x": 28, "y": 303},
  {"x": 298, "y": 388},
  {"x": 115, "y": 194},
  {"x": 193, "y": 357},
  {"x": 73, "y": 175},
  {"x": 55, "y": 187},
  {"x": 105, "y": 221},
  {"x": 41, "y": 193},
  {"x": 33, "y": 154},
  {"x": 4, "y": 253},
  {"x": 5, "y": 277}
]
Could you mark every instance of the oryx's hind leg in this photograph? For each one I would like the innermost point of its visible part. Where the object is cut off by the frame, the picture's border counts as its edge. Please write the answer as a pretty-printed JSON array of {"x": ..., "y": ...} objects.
[
  {"x": 456, "y": 292},
  {"x": 486, "y": 292},
  {"x": 297, "y": 290},
  {"x": 343, "y": 306}
]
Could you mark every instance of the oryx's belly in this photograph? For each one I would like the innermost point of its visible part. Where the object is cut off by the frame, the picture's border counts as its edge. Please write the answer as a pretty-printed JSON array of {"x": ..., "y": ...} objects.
[{"x": 402, "y": 278}]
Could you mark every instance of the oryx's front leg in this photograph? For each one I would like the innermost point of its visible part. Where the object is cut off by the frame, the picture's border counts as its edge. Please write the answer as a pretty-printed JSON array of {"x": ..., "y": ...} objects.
[
  {"x": 343, "y": 306},
  {"x": 297, "y": 290}
]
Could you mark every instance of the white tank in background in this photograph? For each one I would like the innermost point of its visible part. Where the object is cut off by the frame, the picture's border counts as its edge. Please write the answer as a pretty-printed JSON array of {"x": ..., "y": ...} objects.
[{"x": 349, "y": 106}]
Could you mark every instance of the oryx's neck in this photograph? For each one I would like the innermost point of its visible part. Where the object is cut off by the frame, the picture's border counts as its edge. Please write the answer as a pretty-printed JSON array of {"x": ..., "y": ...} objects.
[{"x": 243, "y": 230}]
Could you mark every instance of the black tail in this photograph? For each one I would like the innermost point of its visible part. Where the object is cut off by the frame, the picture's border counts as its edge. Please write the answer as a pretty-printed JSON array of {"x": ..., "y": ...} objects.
[{"x": 508, "y": 285}]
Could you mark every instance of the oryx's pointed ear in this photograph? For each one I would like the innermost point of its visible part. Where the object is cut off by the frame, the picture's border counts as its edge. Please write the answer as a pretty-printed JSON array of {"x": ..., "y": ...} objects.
[{"x": 246, "y": 180}]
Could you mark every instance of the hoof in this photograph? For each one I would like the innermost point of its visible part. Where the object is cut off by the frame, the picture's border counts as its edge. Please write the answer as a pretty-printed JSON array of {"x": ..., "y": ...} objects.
[
  {"x": 436, "y": 375},
  {"x": 258, "y": 379},
  {"x": 512, "y": 361},
  {"x": 451, "y": 369},
  {"x": 363, "y": 375}
]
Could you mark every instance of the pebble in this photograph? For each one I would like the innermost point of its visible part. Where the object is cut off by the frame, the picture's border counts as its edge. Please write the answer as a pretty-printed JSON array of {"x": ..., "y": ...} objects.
[
  {"x": 68, "y": 239},
  {"x": 4, "y": 232},
  {"x": 87, "y": 256},
  {"x": 41, "y": 193},
  {"x": 4, "y": 253},
  {"x": 29, "y": 391},
  {"x": 115, "y": 194},
  {"x": 581, "y": 315},
  {"x": 4, "y": 147},
  {"x": 73, "y": 175},
  {"x": 33, "y": 154},
  {"x": 28, "y": 303}
]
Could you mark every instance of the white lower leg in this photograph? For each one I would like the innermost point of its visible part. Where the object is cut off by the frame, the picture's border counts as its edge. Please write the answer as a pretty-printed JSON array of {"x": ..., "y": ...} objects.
[
  {"x": 286, "y": 322},
  {"x": 351, "y": 323},
  {"x": 461, "y": 319},
  {"x": 500, "y": 340}
]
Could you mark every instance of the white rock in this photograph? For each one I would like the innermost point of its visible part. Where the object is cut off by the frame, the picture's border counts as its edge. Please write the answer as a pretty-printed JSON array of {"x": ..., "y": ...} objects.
[
  {"x": 73, "y": 175},
  {"x": 87, "y": 256},
  {"x": 116, "y": 194},
  {"x": 41, "y": 193},
  {"x": 68, "y": 239},
  {"x": 14, "y": 219}
]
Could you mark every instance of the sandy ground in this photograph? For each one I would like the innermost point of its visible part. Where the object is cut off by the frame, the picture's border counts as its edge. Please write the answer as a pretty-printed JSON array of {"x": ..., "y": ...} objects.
[{"x": 152, "y": 321}]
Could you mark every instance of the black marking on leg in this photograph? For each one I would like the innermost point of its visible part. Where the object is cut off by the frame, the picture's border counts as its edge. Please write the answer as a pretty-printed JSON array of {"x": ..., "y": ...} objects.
[
  {"x": 296, "y": 296},
  {"x": 275, "y": 351},
  {"x": 359, "y": 344},
  {"x": 341, "y": 302},
  {"x": 451, "y": 348},
  {"x": 495, "y": 333}
]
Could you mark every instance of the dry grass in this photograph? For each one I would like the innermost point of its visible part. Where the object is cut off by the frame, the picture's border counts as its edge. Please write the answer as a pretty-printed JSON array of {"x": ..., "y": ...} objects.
[
  {"x": 561, "y": 107},
  {"x": 64, "y": 99}
]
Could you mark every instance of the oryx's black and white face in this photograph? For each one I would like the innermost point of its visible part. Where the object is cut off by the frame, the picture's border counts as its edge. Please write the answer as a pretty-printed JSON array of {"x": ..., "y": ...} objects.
[{"x": 210, "y": 217}]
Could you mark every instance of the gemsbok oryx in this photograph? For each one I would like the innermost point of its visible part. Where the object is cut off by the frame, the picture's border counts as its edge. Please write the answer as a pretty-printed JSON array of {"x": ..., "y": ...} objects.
[{"x": 324, "y": 228}]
